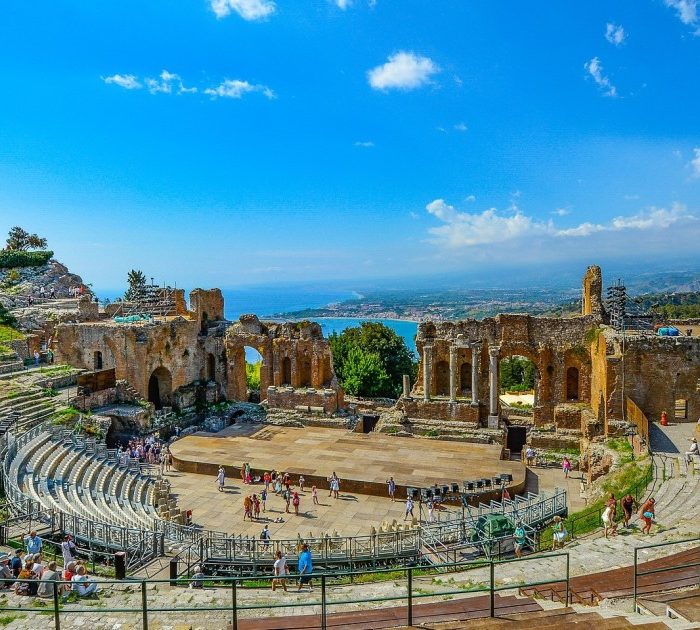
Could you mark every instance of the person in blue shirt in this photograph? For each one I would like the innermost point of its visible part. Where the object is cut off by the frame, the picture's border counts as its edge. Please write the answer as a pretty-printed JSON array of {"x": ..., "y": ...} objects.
[
  {"x": 305, "y": 566},
  {"x": 33, "y": 543}
]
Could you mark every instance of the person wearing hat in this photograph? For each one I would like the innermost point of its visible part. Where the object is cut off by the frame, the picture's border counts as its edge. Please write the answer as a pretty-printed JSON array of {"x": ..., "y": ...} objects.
[
  {"x": 693, "y": 449},
  {"x": 5, "y": 572}
]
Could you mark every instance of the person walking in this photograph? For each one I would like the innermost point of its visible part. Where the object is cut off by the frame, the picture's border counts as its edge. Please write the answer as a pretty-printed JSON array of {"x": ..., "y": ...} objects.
[
  {"x": 280, "y": 569},
  {"x": 566, "y": 466},
  {"x": 263, "y": 499},
  {"x": 68, "y": 549},
  {"x": 220, "y": 478},
  {"x": 314, "y": 495},
  {"x": 627, "y": 503},
  {"x": 265, "y": 536},
  {"x": 287, "y": 496},
  {"x": 266, "y": 479},
  {"x": 295, "y": 503},
  {"x": 409, "y": 508},
  {"x": 302, "y": 481},
  {"x": 647, "y": 513},
  {"x": 519, "y": 539},
  {"x": 530, "y": 456},
  {"x": 305, "y": 567},
  {"x": 608, "y": 518},
  {"x": 558, "y": 533},
  {"x": 391, "y": 487}
]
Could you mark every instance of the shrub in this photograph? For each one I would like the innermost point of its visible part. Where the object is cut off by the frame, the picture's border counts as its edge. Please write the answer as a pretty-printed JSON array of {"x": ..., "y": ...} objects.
[{"x": 11, "y": 259}]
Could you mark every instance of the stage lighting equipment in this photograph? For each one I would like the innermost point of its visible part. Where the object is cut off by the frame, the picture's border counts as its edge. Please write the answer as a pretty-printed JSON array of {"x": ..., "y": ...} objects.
[{"x": 455, "y": 488}]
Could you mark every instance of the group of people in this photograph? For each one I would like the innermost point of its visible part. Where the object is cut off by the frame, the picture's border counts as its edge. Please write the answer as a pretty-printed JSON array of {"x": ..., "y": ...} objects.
[
  {"x": 149, "y": 450},
  {"x": 28, "y": 574}
]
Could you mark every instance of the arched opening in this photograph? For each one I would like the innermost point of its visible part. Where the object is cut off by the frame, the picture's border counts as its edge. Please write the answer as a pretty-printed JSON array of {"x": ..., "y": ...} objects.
[
  {"x": 286, "y": 371},
  {"x": 160, "y": 387},
  {"x": 97, "y": 360},
  {"x": 253, "y": 366},
  {"x": 465, "y": 378},
  {"x": 572, "y": 385},
  {"x": 681, "y": 409},
  {"x": 442, "y": 378},
  {"x": 517, "y": 377},
  {"x": 211, "y": 367},
  {"x": 304, "y": 362}
]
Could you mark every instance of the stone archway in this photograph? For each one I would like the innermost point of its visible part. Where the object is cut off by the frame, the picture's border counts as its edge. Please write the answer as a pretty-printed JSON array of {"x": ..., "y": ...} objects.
[
  {"x": 160, "y": 387},
  {"x": 442, "y": 378},
  {"x": 572, "y": 383},
  {"x": 286, "y": 371}
]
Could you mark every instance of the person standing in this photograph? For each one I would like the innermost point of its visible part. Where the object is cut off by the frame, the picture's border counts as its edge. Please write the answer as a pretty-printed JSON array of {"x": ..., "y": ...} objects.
[
  {"x": 302, "y": 481},
  {"x": 306, "y": 567},
  {"x": 280, "y": 568},
  {"x": 391, "y": 487},
  {"x": 627, "y": 503},
  {"x": 247, "y": 507},
  {"x": 263, "y": 498},
  {"x": 558, "y": 533},
  {"x": 220, "y": 478},
  {"x": 265, "y": 536},
  {"x": 647, "y": 513},
  {"x": 689, "y": 454},
  {"x": 314, "y": 495},
  {"x": 566, "y": 467},
  {"x": 335, "y": 486},
  {"x": 266, "y": 479},
  {"x": 409, "y": 508},
  {"x": 68, "y": 550},
  {"x": 37, "y": 357},
  {"x": 530, "y": 456},
  {"x": 295, "y": 503},
  {"x": 256, "y": 507}
]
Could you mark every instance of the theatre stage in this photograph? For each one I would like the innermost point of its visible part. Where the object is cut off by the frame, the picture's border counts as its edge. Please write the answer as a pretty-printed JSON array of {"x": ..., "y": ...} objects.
[{"x": 362, "y": 461}]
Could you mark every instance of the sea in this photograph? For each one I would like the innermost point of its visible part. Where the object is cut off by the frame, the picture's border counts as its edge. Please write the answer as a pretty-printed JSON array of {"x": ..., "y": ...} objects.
[{"x": 269, "y": 302}]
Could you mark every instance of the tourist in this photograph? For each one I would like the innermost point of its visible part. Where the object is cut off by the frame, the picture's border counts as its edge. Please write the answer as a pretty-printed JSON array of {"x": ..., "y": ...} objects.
[
  {"x": 431, "y": 507},
  {"x": 81, "y": 584},
  {"x": 306, "y": 567},
  {"x": 46, "y": 587},
  {"x": 566, "y": 466},
  {"x": 391, "y": 486},
  {"x": 38, "y": 565},
  {"x": 330, "y": 484},
  {"x": 627, "y": 503},
  {"x": 68, "y": 573},
  {"x": 42, "y": 292},
  {"x": 247, "y": 507},
  {"x": 26, "y": 580},
  {"x": 693, "y": 449},
  {"x": 287, "y": 481},
  {"x": 267, "y": 478},
  {"x": 530, "y": 456},
  {"x": 33, "y": 543},
  {"x": 314, "y": 495},
  {"x": 558, "y": 533},
  {"x": 246, "y": 473},
  {"x": 287, "y": 496},
  {"x": 519, "y": 539},
  {"x": 49, "y": 356},
  {"x": 169, "y": 460},
  {"x": 608, "y": 518},
  {"x": 243, "y": 472},
  {"x": 278, "y": 485},
  {"x": 295, "y": 503},
  {"x": 302, "y": 481},
  {"x": 263, "y": 498},
  {"x": 280, "y": 569},
  {"x": 409, "y": 508},
  {"x": 17, "y": 562},
  {"x": 335, "y": 486},
  {"x": 647, "y": 513},
  {"x": 220, "y": 478},
  {"x": 256, "y": 506},
  {"x": 37, "y": 357},
  {"x": 68, "y": 549},
  {"x": 7, "y": 577},
  {"x": 52, "y": 295},
  {"x": 265, "y": 535}
]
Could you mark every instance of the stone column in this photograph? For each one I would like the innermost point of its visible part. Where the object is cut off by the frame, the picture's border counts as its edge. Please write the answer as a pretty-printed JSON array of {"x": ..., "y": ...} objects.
[
  {"x": 475, "y": 373},
  {"x": 406, "y": 386},
  {"x": 453, "y": 373},
  {"x": 493, "y": 386},
  {"x": 427, "y": 369}
]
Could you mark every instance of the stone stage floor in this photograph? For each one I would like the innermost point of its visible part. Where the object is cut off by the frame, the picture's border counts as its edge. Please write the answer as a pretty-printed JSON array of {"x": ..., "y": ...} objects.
[{"x": 362, "y": 461}]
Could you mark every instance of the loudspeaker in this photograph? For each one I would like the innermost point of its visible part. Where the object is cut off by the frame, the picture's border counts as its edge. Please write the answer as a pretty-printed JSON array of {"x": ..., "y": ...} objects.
[
  {"x": 445, "y": 489},
  {"x": 455, "y": 488},
  {"x": 487, "y": 483}
]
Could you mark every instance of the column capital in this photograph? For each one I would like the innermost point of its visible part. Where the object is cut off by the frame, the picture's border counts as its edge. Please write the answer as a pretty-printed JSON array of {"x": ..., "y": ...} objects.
[{"x": 494, "y": 350}]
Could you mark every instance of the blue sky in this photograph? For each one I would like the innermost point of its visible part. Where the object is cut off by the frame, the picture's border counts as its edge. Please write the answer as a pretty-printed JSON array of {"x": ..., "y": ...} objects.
[{"x": 228, "y": 142}]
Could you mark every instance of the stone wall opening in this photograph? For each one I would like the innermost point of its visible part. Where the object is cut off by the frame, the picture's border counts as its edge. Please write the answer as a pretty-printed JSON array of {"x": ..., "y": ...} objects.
[
  {"x": 465, "y": 379},
  {"x": 681, "y": 409},
  {"x": 572, "y": 384},
  {"x": 160, "y": 387},
  {"x": 97, "y": 360},
  {"x": 304, "y": 370},
  {"x": 442, "y": 378},
  {"x": 253, "y": 367},
  {"x": 286, "y": 371}
]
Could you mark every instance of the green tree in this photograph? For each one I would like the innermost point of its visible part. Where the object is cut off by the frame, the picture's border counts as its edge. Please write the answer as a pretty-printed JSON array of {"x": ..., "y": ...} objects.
[
  {"x": 365, "y": 374},
  {"x": 380, "y": 340},
  {"x": 18, "y": 239},
  {"x": 6, "y": 318},
  {"x": 137, "y": 281},
  {"x": 517, "y": 374},
  {"x": 252, "y": 375}
]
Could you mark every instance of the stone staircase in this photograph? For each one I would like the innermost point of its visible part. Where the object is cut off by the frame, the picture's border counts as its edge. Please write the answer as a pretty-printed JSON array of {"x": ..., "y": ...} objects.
[{"x": 33, "y": 405}]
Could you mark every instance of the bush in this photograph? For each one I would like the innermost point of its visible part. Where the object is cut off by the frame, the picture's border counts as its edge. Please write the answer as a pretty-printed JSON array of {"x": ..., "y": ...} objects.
[
  {"x": 252, "y": 375},
  {"x": 364, "y": 374},
  {"x": 11, "y": 259}
]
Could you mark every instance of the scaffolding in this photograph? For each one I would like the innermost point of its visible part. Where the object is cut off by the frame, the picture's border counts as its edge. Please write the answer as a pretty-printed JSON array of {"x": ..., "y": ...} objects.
[{"x": 149, "y": 302}]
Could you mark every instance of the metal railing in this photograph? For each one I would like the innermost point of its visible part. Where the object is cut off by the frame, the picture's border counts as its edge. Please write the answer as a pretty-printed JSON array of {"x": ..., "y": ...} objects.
[
  {"x": 484, "y": 583},
  {"x": 644, "y": 549}
]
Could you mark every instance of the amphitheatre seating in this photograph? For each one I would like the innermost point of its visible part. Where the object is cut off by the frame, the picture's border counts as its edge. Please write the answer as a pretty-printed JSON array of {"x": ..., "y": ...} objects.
[{"x": 71, "y": 476}]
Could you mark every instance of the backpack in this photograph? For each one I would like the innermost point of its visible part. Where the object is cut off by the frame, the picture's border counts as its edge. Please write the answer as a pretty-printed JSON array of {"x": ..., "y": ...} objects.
[{"x": 296, "y": 500}]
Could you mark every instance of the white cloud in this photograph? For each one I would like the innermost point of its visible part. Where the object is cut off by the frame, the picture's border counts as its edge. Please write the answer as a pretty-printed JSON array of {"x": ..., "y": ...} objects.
[
  {"x": 687, "y": 10},
  {"x": 248, "y": 9},
  {"x": 367, "y": 144},
  {"x": 615, "y": 34},
  {"x": 471, "y": 198},
  {"x": 464, "y": 229},
  {"x": 342, "y": 4},
  {"x": 127, "y": 81},
  {"x": 595, "y": 69},
  {"x": 460, "y": 126},
  {"x": 234, "y": 88},
  {"x": 695, "y": 163},
  {"x": 561, "y": 212},
  {"x": 166, "y": 82},
  {"x": 402, "y": 71}
]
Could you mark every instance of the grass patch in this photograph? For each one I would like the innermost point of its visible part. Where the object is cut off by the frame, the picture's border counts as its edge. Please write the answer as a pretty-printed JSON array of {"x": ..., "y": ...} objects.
[
  {"x": 7, "y": 333},
  {"x": 55, "y": 370},
  {"x": 6, "y": 620}
]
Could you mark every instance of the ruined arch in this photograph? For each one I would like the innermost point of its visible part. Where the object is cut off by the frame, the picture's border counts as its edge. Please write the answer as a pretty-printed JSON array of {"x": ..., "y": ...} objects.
[
  {"x": 160, "y": 387},
  {"x": 572, "y": 383},
  {"x": 286, "y": 371},
  {"x": 442, "y": 378}
]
